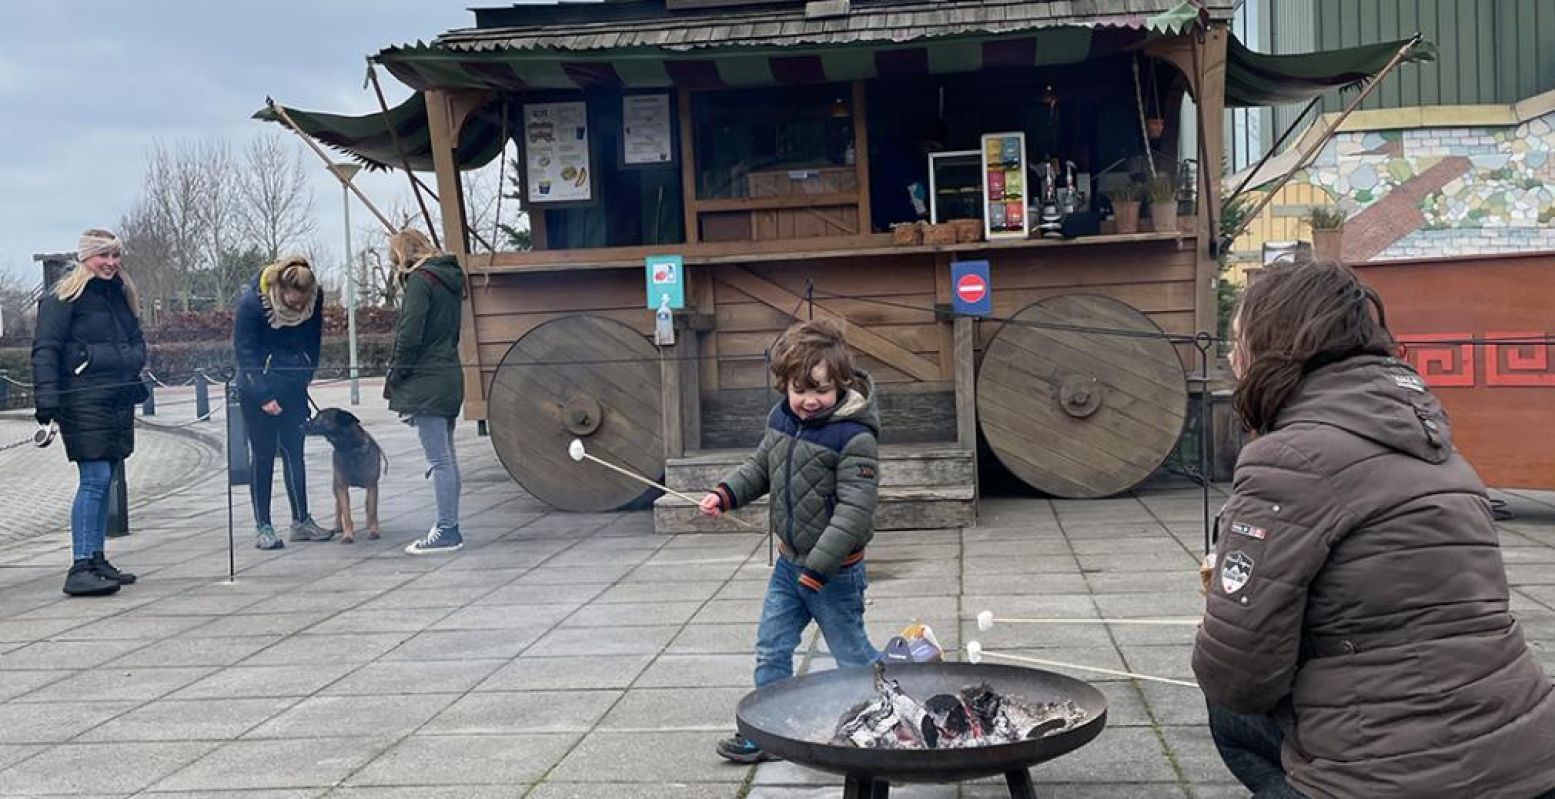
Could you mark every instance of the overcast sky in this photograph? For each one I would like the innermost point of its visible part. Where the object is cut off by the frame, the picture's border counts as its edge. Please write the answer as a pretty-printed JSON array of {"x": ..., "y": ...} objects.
[{"x": 86, "y": 86}]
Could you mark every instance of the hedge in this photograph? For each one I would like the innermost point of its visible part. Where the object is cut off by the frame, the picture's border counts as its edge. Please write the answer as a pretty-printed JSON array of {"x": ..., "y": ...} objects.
[{"x": 176, "y": 362}]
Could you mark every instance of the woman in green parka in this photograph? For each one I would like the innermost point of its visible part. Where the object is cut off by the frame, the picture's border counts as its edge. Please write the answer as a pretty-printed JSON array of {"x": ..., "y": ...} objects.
[{"x": 425, "y": 384}]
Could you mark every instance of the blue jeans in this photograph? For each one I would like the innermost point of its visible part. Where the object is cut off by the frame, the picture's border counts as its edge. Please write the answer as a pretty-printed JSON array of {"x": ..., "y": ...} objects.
[
  {"x": 838, "y": 608},
  {"x": 89, "y": 513},
  {"x": 437, "y": 441},
  {"x": 1250, "y": 747}
]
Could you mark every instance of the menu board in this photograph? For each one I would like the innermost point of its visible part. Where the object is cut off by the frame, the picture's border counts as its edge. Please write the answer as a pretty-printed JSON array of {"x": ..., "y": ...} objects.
[
  {"x": 1004, "y": 179},
  {"x": 556, "y": 141},
  {"x": 646, "y": 119}
]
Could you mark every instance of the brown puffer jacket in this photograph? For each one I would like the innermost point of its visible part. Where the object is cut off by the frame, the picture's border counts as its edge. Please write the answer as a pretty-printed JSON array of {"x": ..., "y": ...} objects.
[{"x": 1360, "y": 597}]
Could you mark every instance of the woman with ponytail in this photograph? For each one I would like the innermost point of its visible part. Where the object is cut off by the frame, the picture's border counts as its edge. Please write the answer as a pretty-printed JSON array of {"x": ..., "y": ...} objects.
[
  {"x": 86, "y": 361},
  {"x": 278, "y": 328},
  {"x": 1357, "y": 639},
  {"x": 425, "y": 385}
]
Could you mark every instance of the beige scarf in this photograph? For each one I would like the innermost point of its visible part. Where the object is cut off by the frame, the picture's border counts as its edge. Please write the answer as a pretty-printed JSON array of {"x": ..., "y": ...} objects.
[{"x": 276, "y": 310}]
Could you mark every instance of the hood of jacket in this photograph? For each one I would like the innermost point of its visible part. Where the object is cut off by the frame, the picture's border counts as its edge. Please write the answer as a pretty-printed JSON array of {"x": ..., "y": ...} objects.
[{"x": 1377, "y": 398}]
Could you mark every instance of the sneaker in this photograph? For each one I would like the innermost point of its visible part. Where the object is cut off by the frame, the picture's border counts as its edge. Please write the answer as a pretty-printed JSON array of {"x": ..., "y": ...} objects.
[
  {"x": 267, "y": 539},
  {"x": 107, "y": 569},
  {"x": 85, "y": 580},
  {"x": 309, "y": 530},
  {"x": 438, "y": 539},
  {"x": 740, "y": 749}
]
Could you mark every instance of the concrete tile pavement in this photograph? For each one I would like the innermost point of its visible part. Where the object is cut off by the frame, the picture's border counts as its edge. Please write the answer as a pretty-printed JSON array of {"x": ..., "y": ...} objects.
[{"x": 566, "y": 655}]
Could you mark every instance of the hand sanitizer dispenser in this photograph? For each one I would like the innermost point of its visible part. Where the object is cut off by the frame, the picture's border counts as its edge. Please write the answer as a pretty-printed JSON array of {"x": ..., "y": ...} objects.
[{"x": 664, "y": 323}]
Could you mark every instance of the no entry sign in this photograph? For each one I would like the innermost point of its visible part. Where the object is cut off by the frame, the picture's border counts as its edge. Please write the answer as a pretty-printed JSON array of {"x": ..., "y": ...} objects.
[{"x": 971, "y": 291}]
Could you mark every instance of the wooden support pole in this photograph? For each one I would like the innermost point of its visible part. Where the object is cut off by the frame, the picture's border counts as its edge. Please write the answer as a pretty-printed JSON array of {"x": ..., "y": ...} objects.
[
  {"x": 445, "y": 135},
  {"x": 861, "y": 155},
  {"x": 688, "y": 172},
  {"x": 394, "y": 136},
  {"x": 1210, "y": 95},
  {"x": 669, "y": 384},
  {"x": 966, "y": 392}
]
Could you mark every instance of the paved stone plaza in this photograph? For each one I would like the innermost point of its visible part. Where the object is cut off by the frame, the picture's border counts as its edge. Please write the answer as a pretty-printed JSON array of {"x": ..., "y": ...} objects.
[{"x": 558, "y": 655}]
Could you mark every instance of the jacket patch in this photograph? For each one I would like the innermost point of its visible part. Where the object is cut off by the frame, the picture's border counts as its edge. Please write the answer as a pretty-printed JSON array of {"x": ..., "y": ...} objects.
[
  {"x": 1411, "y": 382},
  {"x": 866, "y": 472},
  {"x": 1235, "y": 571},
  {"x": 1249, "y": 530}
]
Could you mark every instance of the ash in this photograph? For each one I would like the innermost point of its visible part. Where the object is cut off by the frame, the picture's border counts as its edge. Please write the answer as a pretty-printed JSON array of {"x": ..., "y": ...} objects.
[{"x": 974, "y": 716}]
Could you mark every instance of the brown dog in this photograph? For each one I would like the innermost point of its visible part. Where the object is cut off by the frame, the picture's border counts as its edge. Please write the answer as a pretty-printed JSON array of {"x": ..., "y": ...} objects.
[{"x": 358, "y": 463}]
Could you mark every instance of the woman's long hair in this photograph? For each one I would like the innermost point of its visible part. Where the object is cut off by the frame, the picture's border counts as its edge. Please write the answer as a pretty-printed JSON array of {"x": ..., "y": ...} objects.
[
  {"x": 408, "y": 250},
  {"x": 71, "y": 286},
  {"x": 1296, "y": 318}
]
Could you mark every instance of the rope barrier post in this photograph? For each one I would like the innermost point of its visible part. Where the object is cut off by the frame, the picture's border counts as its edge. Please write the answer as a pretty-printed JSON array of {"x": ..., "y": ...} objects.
[
  {"x": 1203, "y": 342},
  {"x": 202, "y": 396},
  {"x": 149, "y": 407},
  {"x": 118, "y": 503},
  {"x": 232, "y": 475}
]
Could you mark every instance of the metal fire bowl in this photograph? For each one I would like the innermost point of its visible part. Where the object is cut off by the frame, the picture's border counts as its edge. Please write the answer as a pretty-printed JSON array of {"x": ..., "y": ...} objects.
[{"x": 795, "y": 719}]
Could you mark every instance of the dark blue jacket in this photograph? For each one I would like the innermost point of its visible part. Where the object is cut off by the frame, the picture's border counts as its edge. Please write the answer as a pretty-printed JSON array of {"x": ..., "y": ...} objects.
[{"x": 274, "y": 363}]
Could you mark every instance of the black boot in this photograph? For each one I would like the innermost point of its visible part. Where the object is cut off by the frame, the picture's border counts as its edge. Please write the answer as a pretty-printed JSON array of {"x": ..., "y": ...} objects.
[
  {"x": 107, "y": 569},
  {"x": 85, "y": 580}
]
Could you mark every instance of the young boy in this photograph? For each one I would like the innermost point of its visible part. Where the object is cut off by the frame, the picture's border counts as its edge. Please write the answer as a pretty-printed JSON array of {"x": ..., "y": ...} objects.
[{"x": 818, "y": 461}]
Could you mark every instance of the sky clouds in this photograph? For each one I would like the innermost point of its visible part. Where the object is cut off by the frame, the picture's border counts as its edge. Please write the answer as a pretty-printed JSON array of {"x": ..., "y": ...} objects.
[{"x": 86, "y": 86}]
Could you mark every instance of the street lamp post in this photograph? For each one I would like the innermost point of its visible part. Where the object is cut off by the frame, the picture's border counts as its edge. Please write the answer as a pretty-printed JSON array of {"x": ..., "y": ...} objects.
[{"x": 345, "y": 172}]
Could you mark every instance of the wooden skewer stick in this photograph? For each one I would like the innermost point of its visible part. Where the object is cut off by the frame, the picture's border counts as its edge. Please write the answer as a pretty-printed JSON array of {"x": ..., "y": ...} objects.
[
  {"x": 577, "y": 453},
  {"x": 986, "y": 621},
  {"x": 975, "y": 654}
]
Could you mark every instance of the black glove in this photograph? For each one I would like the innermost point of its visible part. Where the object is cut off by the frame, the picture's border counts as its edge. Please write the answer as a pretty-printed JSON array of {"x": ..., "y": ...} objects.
[{"x": 44, "y": 416}]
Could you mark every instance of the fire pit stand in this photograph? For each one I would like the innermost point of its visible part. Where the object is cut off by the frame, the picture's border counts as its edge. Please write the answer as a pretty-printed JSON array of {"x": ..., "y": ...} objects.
[
  {"x": 795, "y": 719},
  {"x": 856, "y": 787}
]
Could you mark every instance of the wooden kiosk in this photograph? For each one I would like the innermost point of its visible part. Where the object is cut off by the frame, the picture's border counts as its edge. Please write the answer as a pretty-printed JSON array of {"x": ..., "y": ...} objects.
[{"x": 777, "y": 149}]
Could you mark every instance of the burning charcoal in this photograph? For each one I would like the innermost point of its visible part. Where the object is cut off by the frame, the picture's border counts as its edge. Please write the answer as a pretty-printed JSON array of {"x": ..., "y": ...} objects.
[
  {"x": 1036, "y": 721},
  {"x": 890, "y": 720},
  {"x": 976, "y": 716}
]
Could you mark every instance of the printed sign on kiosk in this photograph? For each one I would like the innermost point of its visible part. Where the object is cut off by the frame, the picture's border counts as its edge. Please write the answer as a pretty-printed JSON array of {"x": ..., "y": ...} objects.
[{"x": 971, "y": 289}]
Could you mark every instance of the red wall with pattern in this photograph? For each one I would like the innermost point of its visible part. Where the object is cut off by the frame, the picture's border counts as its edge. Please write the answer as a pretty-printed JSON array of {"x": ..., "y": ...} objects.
[{"x": 1500, "y": 393}]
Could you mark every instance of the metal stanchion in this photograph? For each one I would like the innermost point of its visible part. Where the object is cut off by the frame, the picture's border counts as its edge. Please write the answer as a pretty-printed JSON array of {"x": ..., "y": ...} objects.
[{"x": 202, "y": 396}]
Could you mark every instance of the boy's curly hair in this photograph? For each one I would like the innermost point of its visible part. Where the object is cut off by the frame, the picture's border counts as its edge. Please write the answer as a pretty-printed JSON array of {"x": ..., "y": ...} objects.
[{"x": 806, "y": 344}]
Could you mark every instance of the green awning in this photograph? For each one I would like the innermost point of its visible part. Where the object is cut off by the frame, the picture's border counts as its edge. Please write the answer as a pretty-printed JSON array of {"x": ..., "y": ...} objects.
[
  {"x": 1258, "y": 79},
  {"x": 1252, "y": 79},
  {"x": 368, "y": 140}
]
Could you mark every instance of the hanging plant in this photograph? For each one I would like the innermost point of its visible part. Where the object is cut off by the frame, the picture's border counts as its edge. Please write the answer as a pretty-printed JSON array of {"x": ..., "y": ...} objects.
[{"x": 1155, "y": 122}]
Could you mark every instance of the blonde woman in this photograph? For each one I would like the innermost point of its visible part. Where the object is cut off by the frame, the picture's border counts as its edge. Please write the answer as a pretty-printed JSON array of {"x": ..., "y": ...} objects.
[
  {"x": 278, "y": 328},
  {"x": 86, "y": 362},
  {"x": 425, "y": 385}
]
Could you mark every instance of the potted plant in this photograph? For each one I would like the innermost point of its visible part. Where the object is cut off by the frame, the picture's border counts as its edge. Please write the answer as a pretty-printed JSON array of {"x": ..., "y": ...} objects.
[
  {"x": 1162, "y": 191},
  {"x": 1125, "y": 207},
  {"x": 1327, "y": 223}
]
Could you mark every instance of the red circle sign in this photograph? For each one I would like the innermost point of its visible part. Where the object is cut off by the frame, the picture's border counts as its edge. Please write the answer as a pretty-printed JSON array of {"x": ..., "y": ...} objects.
[{"x": 971, "y": 288}]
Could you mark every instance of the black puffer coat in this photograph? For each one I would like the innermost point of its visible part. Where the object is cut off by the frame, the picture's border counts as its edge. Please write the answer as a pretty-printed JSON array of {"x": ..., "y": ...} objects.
[{"x": 86, "y": 362}]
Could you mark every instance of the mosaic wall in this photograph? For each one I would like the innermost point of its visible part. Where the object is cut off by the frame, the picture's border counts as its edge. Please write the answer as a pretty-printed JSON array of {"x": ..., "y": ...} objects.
[{"x": 1443, "y": 191}]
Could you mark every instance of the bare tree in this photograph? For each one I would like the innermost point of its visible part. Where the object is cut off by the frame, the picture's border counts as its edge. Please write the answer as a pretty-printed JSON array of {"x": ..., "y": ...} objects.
[
  {"x": 176, "y": 204},
  {"x": 148, "y": 251},
  {"x": 224, "y": 263},
  {"x": 18, "y": 298},
  {"x": 276, "y": 213}
]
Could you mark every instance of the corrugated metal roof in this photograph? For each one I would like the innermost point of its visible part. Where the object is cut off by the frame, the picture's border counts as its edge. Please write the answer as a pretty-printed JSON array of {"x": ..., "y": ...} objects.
[{"x": 876, "y": 21}]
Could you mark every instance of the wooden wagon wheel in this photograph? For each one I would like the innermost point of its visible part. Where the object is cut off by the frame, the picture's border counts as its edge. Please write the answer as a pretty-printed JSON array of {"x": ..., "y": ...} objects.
[
  {"x": 1077, "y": 414},
  {"x": 582, "y": 377}
]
